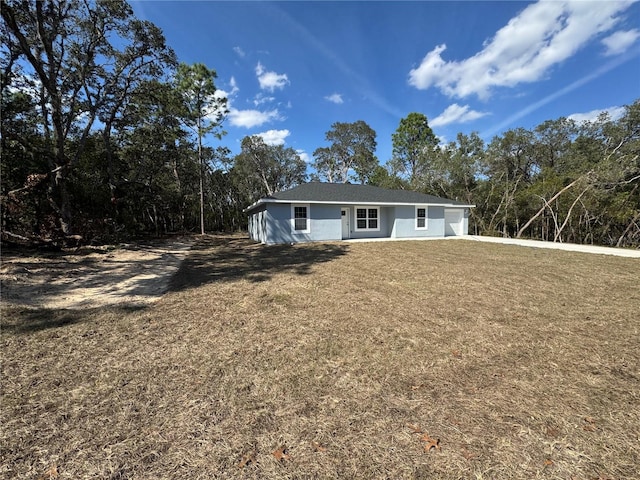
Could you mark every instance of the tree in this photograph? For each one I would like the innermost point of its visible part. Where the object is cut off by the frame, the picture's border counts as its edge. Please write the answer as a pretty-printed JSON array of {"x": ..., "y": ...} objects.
[
  {"x": 154, "y": 168},
  {"x": 204, "y": 111},
  {"x": 414, "y": 146},
  {"x": 266, "y": 169},
  {"x": 553, "y": 142},
  {"x": 68, "y": 49},
  {"x": 22, "y": 147},
  {"x": 592, "y": 184},
  {"x": 135, "y": 69},
  {"x": 459, "y": 168},
  {"x": 383, "y": 178},
  {"x": 510, "y": 162},
  {"x": 353, "y": 147},
  {"x": 459, "y": 165}
]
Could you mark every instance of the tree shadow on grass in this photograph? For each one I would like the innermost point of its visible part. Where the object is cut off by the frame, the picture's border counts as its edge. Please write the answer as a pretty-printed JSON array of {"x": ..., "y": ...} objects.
[
  {"x": 20, "y": 320},
  {"x": 229, "y": 258}
]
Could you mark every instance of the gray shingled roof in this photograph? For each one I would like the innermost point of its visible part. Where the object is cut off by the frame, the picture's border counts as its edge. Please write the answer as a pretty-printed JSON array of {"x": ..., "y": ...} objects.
[{"x": 349, "y": 193}]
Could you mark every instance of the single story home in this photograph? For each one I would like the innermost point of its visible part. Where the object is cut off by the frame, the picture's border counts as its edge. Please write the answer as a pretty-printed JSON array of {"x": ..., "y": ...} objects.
[{"x": 318, "y": 211}]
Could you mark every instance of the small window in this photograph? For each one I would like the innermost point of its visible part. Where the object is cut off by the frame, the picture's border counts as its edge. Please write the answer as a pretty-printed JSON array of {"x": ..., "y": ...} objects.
[
  {"x": 300, "y": 219},
  {"x": 367, "y": 218},
  {"x": 421, "y": 218}
]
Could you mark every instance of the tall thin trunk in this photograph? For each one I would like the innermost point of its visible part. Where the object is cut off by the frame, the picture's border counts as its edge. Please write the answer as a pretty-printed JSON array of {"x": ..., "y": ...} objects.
[
  {"x": 60, "y": 179},
  {"x": 201, "y": 162}
]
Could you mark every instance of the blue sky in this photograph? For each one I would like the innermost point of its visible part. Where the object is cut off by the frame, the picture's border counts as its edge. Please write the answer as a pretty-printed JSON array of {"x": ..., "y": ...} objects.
[{"x": 292, "y": 69}]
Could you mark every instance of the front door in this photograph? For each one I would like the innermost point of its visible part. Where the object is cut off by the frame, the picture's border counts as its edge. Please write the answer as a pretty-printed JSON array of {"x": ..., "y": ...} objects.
[{"x": 346, "y": 226}]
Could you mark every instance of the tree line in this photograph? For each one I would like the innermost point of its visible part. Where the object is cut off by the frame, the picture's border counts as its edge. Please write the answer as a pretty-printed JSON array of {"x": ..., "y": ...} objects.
[
  {"x": 562, "y": 181},
  {"x": 106, "y": 136}
]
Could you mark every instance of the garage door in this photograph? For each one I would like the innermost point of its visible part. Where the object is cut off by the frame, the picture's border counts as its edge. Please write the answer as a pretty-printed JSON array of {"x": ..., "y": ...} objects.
[{"x": 452, "y": 222}]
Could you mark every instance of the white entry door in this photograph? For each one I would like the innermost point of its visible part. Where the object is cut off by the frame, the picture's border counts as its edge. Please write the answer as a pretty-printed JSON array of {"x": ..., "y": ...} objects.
[
  {"x": 346, "y": 225},
  {"x": 453, "y": 222}
]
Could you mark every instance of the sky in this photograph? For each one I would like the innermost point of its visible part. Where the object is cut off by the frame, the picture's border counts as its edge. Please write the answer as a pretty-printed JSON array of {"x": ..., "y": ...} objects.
[{"x": 291, "y": 69}]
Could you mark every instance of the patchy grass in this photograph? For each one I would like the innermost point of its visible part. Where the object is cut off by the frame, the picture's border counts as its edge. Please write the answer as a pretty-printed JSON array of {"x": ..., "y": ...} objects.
[{"x": 524, "y": 363}]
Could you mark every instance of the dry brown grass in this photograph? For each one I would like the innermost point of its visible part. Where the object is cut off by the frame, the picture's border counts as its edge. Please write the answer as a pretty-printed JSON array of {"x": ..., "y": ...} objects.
[{"x": 524, "y": 363}]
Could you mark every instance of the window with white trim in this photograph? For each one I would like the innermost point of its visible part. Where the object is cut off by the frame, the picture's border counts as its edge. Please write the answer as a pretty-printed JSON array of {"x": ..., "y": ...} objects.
[
  {"x": 421, "y": 218},
  {"x": 367, "y": 218},
  {"x": 300, "y": 222}
]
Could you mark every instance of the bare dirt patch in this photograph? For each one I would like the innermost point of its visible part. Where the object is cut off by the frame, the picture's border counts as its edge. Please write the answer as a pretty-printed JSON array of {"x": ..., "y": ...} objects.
[{"x": 90, "y": 277}]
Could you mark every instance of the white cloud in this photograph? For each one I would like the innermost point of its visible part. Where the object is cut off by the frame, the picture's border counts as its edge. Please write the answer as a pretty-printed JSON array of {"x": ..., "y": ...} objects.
[
  {"x": 304, "y": 156},
  {"x": 261, "y": 99},
  {"x": 251, "y": 118},
  {"x": 335, "y": 98},
  {"x": 224, "y": 94},
  {"x": 271, "y": 80},
  {"x": 523, "y": 51},
  {"x": 456, "y": 114},
  {"x": 239, "y": 51},
  {"x": 614, "y": 114},
  {"x": 523, "y": 112},
  {"x": 234, "y": 85},
  {"x": 243, "y": 118},
  {"x": 620, "y": 41},
  {"x": 274, "y": 137}
]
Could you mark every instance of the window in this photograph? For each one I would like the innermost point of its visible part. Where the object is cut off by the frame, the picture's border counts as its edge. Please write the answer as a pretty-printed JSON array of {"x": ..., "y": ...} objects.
[
  {"x": 368, "y": 218},
  {"x": 421, "y": 218},
  {"x": 300, "y": 219}
]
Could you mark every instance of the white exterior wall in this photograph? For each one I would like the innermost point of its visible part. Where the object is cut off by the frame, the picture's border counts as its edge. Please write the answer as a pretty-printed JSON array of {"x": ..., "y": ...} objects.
[
  {"x": 325, "y": 224},
  {"x": 405, "y": 222},
  {"x": 258, "y": 225},
  {"x": 272, "y": 223}
]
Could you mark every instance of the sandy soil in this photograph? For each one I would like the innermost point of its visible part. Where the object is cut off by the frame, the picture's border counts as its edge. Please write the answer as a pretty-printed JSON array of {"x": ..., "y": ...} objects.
[{"x": 91, "y": 277}]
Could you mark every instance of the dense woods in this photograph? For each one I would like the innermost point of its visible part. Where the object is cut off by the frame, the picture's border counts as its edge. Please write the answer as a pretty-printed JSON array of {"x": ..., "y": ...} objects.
[{"x": 106, "y": 136}]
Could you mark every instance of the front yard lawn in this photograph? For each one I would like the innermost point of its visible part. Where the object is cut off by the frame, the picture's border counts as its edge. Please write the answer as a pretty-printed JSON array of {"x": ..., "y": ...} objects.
[{"x": 523, "y": 363}]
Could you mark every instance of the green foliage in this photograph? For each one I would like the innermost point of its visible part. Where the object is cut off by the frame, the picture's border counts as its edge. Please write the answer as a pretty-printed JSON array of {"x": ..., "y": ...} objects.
[
  {"x": 263, "y": 169},
  {"x": 202, "y": 110},
  {"x": 383, "y": 178},
  {"x": 558, "y": 182},
  {"x": 414, "y": 150},
  {"x": 85, "y": 56},
  {"x": 22, "y": 192},
  {"x": 352, "y": 149}
]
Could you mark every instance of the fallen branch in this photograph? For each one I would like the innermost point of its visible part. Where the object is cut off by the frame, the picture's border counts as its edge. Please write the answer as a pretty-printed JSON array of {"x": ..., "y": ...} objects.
[
  {"x": 532, "y": 219},
  {"x": 16, "y": 236},
  {"x": 632, "y": 223},
  {"x": 566, "y": 220},
  {"x": 33, "y": 180}
]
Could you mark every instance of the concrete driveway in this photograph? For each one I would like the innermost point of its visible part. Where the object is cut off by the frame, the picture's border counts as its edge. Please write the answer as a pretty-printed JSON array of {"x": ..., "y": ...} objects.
[{"x": 620, "y": 252}]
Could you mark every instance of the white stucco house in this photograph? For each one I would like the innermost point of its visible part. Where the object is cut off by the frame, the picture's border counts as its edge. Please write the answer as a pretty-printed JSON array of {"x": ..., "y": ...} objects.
[{"x": 318, "y": 211}]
